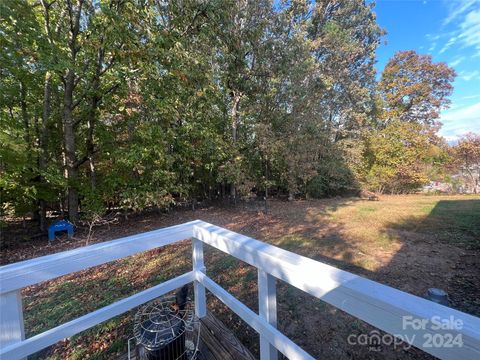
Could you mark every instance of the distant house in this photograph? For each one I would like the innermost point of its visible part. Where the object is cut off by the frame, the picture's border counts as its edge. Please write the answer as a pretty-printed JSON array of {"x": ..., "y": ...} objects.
[
  {"x": 466, "y": 181},
  {"x": 437, "y": 186}
]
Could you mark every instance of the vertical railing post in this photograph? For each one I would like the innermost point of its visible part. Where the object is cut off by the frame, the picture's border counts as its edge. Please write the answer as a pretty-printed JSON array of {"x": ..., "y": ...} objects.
[
  {"x": 267, "y": 308},
  {"x": 199, "y": 289},
  {"x": 11, "y": 318}
]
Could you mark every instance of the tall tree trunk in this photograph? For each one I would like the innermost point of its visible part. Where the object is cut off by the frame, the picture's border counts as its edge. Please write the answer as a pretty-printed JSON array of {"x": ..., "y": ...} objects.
[
  {"x": 235, "y": 106},
  {"x": 235, "y": 122},
  {"x": 69, "y": 80},
  {"x": 27, "y": 137},
  {"x": 23, "y": 107},
  {"x": 91, "y": 144},
  {"x": 42, "y": 139},
  {"x": 70, "y": 146},
  {"x": 266, "y": 185},
  {"x": 92, "y": 117},
  {"x": 47, "y": 96}
]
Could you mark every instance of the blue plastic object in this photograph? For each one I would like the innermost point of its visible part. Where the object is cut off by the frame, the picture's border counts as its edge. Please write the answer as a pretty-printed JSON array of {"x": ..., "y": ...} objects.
[{"x": 60, "y": 225}]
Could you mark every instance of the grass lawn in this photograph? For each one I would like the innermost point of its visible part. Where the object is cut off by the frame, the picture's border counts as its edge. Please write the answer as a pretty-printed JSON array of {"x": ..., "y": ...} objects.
[{"x": 409, "y": 242}]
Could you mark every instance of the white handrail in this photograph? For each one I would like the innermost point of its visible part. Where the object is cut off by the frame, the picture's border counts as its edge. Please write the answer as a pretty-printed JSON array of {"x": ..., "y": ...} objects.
[
  {"x": 25, "y": 273},
  {"x": 376, "y": 304},
  {"x": 379, "y": 305},
  {"x": 38, "y": 342}
]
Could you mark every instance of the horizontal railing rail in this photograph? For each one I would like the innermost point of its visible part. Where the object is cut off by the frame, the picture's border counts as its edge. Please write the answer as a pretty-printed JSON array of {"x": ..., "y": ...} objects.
[
  {"x": 381, "y": 306},
  {"x": 38, "y": 342},
  {"x": 25, "y": 273}
]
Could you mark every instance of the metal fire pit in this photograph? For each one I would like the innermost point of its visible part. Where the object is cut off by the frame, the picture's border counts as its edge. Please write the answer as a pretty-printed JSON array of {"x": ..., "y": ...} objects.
[{"x": 163, "y": 331}]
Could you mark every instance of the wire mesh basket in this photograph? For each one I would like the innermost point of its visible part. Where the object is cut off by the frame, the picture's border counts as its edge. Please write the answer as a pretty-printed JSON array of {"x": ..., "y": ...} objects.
[{"x": 163, "y": 330}]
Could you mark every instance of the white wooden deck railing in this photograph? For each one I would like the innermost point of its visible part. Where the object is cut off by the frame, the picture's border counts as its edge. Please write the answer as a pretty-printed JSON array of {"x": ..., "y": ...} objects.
[{"x": 374, "y": 303}]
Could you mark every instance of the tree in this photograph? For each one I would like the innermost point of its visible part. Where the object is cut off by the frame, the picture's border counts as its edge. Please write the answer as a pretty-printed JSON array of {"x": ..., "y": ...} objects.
[
  {"x": 396, "y": 157},
  {"x": 319, "y": 89},
  {"x": 84, "y": 40},
  {"x": 344, "y": 36},
  {"x": 401, "y": 148},
  {"x": 20, "y": 89},
  {"x": 414, "y": 89},
  {"x": 144, "y": 104},
  {"x": 467, "y": 158},
  {"x": 241, "y": 37}
]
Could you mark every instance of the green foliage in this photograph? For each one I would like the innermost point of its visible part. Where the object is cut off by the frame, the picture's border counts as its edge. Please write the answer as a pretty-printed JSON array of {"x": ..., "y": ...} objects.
[
  {"x": 335, "y": 174},
  {"x": 396, "y": 157},
  {"x": 113, "y": 104},
  {"x": 333, "y": 178},
  {"x": 402, "y": 153}
]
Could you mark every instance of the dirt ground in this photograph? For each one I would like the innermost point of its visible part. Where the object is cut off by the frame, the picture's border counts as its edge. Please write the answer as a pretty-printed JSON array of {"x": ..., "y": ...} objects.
[{"x": 411, "y": 243}]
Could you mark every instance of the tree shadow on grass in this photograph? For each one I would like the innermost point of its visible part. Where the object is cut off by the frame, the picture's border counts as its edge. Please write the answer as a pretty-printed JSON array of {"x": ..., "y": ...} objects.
[
  {"x": 454, "y": 222},
  {"x": 440, "y": 249}
]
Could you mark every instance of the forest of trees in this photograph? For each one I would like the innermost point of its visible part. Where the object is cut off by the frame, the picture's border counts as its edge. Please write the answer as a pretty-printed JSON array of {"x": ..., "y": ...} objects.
[{"x": 133, "y": 104}]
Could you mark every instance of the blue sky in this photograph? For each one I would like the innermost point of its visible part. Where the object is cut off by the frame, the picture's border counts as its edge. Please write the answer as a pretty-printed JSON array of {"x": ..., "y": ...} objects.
[{"x": 449, "y": 30}]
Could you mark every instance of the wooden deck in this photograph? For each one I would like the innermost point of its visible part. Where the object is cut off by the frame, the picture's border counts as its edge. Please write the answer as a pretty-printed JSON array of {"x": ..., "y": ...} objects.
[{"x": 217, "y": 342}]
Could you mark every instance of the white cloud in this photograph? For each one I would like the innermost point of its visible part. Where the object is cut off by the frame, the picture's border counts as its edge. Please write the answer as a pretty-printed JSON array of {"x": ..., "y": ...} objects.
[
  {"x": 470, "y": 30},
  {"x": 468, "y": 112},
  {"x": 449, "y": 43},
  {"x": 464, "y": 18},
  {"x": 457, "y": 8},
  {"x": 469, "y": 75},
  {"x": 457, "y": 61},
  {"x": 458, "y": 122},
  {"x": 471, "y": 96},
  {"x": 432, "y": 37}
]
